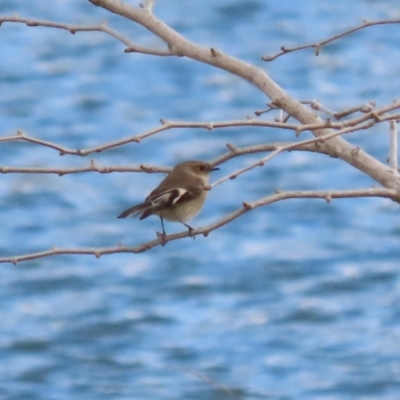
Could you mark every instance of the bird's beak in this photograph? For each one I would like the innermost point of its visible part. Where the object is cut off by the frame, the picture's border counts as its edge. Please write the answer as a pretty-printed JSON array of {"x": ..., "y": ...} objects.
[{"x": 214, "y": 169}]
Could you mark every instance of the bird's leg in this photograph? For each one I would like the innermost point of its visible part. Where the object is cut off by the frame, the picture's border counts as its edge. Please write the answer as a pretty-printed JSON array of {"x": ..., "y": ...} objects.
[
  {"x": 190, "y": 230},
  {"x": 163, "y": 231}
]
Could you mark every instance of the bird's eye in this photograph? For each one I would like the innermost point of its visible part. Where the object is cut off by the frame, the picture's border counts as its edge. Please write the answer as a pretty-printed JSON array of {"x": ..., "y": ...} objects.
[{"x": 202, "y": 168}]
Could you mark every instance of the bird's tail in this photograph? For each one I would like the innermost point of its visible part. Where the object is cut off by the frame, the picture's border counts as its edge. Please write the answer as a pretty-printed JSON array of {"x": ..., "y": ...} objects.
[{"x": 135, "y": 210}]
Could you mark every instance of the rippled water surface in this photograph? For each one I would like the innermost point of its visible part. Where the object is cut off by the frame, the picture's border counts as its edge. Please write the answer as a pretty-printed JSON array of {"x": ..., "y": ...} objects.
[{"x": 297, "y": 300}]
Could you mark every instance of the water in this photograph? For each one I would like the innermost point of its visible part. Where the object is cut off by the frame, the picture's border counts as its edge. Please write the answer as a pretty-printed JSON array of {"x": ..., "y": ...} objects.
[{"x": 297, "y": 300}]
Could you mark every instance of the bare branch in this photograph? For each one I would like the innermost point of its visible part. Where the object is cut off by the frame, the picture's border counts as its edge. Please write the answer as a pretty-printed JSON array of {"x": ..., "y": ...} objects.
[
  {"x": 317, "y": 141},
  {"x": 79, "y": 152},
  {"x": 316, "y": 105},
  {"x": 261, "y": 148},
  {"x": 166, "y": 125},
  {"x": 93, "y": 167},
  {"x": 378, "y": 115},
  {"x": 179, "y": 46},
  {"x": 326, "y": 140},
  {"x": 247, "y": 206},
  {"x": 131, "y": 46},
  {"x": 364, "y": 108},
  {"x": 21, "y": 136},
  {"x": 336, "y": 147},
  {"x": 318, "y": 45},
  {"x": 393, "y": 153}
]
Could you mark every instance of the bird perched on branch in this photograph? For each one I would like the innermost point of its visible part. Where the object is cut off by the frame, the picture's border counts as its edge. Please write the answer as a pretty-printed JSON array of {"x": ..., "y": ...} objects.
[{"x": 179, "y": 197}]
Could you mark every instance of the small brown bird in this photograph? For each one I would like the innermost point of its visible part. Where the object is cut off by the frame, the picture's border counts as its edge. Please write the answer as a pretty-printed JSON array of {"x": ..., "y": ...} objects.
[{"x": 179, "y": 197}]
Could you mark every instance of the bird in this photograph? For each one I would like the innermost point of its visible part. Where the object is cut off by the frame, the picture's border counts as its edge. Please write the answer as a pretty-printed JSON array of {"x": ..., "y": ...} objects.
[{"x": 179, "y": 197}]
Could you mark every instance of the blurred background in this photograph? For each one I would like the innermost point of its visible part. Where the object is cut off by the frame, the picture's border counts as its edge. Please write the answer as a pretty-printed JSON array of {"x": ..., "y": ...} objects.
[{"x": 297, "y": 300}]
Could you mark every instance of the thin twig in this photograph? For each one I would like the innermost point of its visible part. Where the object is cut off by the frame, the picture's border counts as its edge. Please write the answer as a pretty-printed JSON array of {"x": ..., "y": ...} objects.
[
  {"x": 131, "y": 46},
  {"x": 364, "y": 108},
  {"x": 316, "y": 105},
  {"x": 318, "y": 45},
  {"x": 93, "y": 167},
  {"x": 261, "y": 148}
]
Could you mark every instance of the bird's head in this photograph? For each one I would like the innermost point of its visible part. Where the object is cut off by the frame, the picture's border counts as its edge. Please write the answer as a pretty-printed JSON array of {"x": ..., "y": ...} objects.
[{"x": 196, "y": 168}]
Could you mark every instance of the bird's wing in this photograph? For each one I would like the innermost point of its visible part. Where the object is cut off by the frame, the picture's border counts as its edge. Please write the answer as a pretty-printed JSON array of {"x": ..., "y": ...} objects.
[
  {"x": 173, "y": 196},
  {"x": 158, "y": 200}
]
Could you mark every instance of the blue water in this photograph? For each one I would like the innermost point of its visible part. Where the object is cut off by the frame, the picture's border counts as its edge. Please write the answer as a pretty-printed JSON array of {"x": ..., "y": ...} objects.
[{"x": 297, "y": 300}]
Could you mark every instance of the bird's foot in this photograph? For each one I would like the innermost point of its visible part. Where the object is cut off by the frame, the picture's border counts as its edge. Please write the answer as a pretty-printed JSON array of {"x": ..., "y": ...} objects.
[
  {"x": 163, "y": 237},
  {"x": 190, "y": 232}
]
